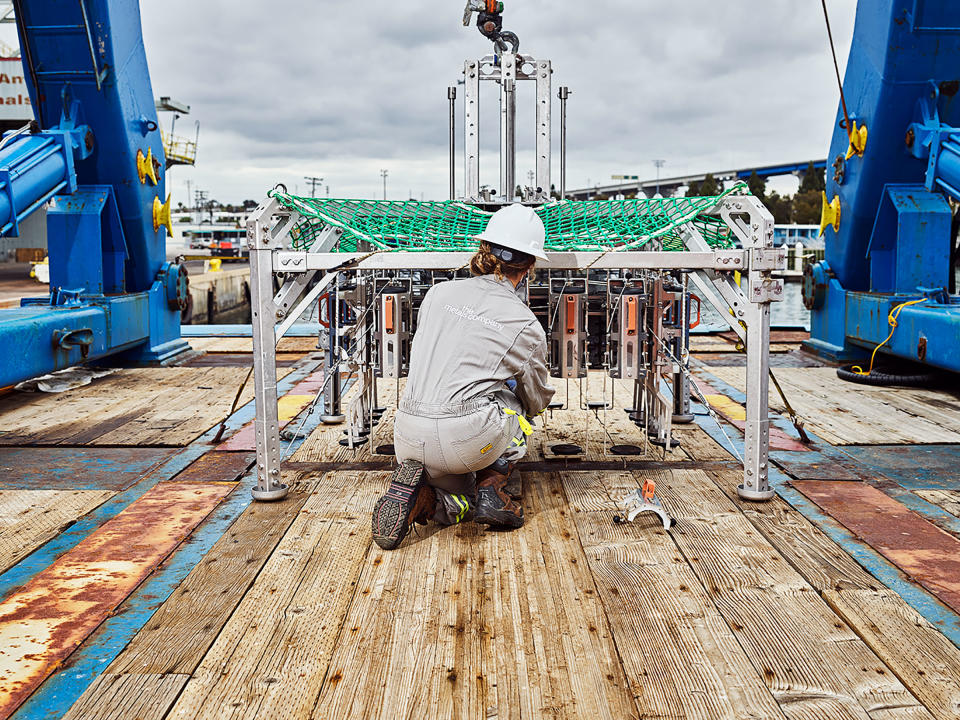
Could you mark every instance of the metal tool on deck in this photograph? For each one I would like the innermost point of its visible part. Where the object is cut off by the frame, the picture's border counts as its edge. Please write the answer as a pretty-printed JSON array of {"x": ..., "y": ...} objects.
[{"x": 644, "y": 499}]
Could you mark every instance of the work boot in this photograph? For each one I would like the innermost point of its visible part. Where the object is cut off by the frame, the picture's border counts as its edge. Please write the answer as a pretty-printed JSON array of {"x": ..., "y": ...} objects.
[
  {"x": 494, "y": 506},
  {"x": 408, "y": 500},
  {"x": 514, "y": 485}
]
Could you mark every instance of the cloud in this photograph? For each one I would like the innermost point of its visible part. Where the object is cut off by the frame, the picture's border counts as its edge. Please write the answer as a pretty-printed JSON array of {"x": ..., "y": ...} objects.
[{"x": 342, "y": 89}]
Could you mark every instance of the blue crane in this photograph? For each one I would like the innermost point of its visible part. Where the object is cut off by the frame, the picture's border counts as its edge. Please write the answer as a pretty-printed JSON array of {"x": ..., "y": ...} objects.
[
  {"x": 95, "y": 153},
  {"x": 895, "y": 169}
]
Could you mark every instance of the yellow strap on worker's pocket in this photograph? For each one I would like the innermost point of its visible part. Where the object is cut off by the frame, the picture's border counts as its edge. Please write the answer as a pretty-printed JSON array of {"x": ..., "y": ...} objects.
[{"x": 524, "y": 423}]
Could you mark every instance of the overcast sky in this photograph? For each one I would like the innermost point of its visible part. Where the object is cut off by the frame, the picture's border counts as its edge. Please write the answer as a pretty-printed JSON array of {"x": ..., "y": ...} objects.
[{"x": 343, "y": 88}]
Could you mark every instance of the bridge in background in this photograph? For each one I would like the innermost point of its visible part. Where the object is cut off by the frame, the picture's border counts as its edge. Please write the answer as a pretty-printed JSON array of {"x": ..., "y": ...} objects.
[{"x": 669, "y": 186}]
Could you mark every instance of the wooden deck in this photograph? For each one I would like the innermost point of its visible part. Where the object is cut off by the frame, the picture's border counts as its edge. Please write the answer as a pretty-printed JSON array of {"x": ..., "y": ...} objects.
[{"x": 741, "y": 611}]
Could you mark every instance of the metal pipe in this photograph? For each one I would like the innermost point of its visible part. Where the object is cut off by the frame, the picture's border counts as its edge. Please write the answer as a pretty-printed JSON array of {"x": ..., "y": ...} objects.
[
  {"x": 563, "y": 94},
  {"x": 452, "y": 97},
  {"x": 508, "y": 132},
  {"x": 510, "y": 149}
]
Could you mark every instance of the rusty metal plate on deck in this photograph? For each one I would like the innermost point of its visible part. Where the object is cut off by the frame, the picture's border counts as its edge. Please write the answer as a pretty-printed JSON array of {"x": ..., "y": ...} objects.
[
  {"x": 923, "y": 551},
  {"x": 45, "y": 620},
  {"x": 814, "y": 466},
  {"x": 86, "y": 468},
  {"x": 217, "y": 466}
]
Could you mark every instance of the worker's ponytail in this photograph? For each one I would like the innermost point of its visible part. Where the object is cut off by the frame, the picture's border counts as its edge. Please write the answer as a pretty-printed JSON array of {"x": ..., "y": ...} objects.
[{"x": 486, "y": 263}]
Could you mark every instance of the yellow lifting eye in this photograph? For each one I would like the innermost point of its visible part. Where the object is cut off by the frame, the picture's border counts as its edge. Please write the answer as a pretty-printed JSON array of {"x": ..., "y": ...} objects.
[
  {"x": 146, "y": 167},
  {"x": 830, "y": 214},
  {"x": 161, "y": 215}
]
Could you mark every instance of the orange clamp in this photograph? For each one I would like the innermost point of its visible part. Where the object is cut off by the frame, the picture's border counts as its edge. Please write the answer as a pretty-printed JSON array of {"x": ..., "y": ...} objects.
[
  {"x": 649, "y": 490},
  {"x": 389, "y": 322},
  {"x": 632, "y": 313},
  {"x": 571, "y": 301}
]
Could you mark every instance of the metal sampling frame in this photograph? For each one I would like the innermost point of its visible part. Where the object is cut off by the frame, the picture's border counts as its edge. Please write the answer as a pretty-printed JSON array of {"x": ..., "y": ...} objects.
[{"x": 347, "y": 283}]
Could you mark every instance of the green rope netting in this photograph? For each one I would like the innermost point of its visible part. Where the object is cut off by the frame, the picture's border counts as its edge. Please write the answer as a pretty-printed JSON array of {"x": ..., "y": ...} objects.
[{"x": 449, "y": 225}]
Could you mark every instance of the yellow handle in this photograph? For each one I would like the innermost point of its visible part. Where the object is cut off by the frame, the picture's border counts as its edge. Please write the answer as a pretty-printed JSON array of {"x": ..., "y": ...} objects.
[{"x": 524, "y": 423}]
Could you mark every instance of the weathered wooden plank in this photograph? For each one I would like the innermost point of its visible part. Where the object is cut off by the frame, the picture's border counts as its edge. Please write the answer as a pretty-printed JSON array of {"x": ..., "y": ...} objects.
[
  {"x": 924, "y": 660},
  {"x": 128, "y": 697},
  {"x": 580, "y": 656},
  {"x": 28, "y": 518},
  {"x": 814, "y": 663},
  {"x": 245, "y": 345},
  {"x": 139, "y": 406},
  {"x": 699, "y": 446},
  {"x": 949, "y": 500},
  {"x": 397, "y": 638},
  {"x": 458, "y": 623},
  {"x": 682, "y": 660},
  {"x": 178, "y": 635},
  {"x": 43, "y": 621},
  {"x": 272, "y": 655},
  {"x": 848, "y": 414}
]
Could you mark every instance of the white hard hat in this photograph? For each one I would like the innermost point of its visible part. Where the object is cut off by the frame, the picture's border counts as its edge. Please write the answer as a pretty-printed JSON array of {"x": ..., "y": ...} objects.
[{"x": 516, "y": 227}]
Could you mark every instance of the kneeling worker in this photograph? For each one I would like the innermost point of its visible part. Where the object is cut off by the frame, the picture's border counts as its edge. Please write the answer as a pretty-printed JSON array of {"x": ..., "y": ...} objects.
[{"x": 477, "y": 372}]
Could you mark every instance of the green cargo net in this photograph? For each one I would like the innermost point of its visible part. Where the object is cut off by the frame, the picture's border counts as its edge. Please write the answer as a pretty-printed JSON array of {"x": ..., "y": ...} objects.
[{"x": 604, "y": 225}]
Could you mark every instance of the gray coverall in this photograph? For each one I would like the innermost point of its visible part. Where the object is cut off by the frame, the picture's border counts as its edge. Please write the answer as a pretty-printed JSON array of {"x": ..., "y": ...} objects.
[{"x": 473, "y": 336}]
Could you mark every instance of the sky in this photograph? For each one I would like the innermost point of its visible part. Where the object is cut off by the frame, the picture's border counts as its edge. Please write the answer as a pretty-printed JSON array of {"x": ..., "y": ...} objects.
[{"x": 344, "y": 88}]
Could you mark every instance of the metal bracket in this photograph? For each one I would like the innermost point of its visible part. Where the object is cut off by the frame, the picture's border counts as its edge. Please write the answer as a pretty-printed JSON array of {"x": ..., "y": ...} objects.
[
  {"x": 728, "y": 260},
  {"x": 765, "y": 289},
  {"x": 291, "y": 261},
  {"x": 768, "y": 259},
  {"x": 291, "y": 290}
]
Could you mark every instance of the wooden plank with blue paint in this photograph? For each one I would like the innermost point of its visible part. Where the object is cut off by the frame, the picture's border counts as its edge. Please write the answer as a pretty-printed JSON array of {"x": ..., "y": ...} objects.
[
  {"x": 42, "y": 622},
  {"x": 922, "y": 550},
  {"x": 65, "y": 687},
  {"x": 77, "y": 468},
  {"x": 924, "y": 659},
  {"x": 28, "y": 518},
  {"x": 814, "y": 663}
]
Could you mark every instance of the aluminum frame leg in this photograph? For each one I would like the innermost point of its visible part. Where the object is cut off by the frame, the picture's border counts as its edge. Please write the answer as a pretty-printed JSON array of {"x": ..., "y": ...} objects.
[
  {"x": 756, "y": 484},
  {"x": 332, "y": 411},
  {"x": 267, "y": 423}
]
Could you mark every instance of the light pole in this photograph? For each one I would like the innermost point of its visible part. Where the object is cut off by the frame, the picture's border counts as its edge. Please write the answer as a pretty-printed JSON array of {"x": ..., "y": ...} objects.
[
  {"x": 384, "y": 174},
  {"x": 659, "y": 164}
]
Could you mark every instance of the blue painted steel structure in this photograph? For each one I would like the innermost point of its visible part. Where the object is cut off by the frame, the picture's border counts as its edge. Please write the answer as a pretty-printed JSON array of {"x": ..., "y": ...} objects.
[
  {"x": 895, "y": 241},
  {"x": 100, "y": 159}
]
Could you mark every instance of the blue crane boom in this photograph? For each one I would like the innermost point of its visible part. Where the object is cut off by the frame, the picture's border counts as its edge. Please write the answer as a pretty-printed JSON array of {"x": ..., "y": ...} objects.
[
  {"x": 95, "y": 152},
  {"x": 889, "y": 228}
]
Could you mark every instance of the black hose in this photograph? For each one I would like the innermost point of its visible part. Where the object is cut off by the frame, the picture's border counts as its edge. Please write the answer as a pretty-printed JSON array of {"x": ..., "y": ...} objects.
[{"x": 886, "y": 379}]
